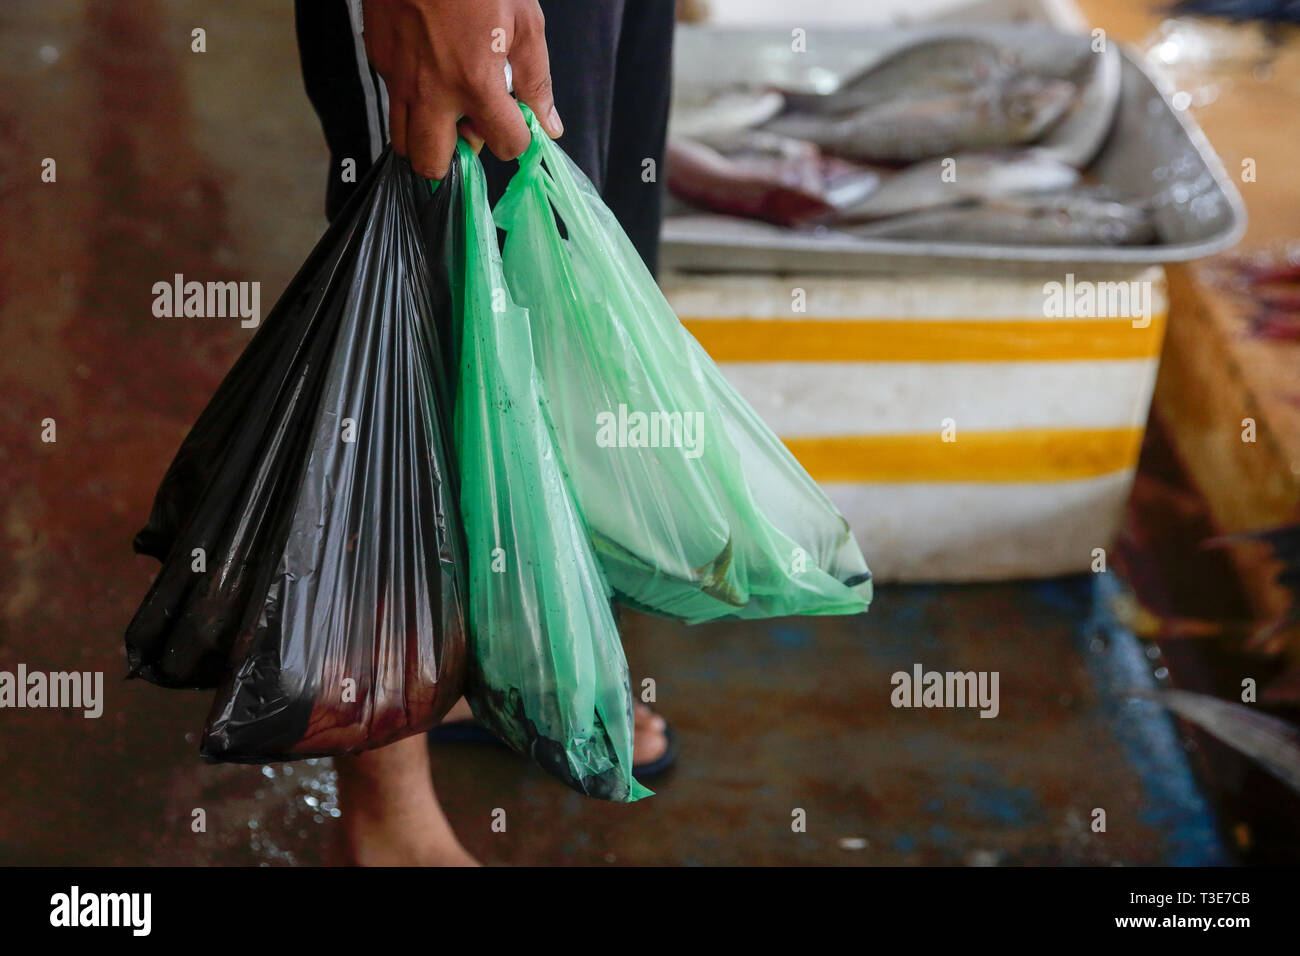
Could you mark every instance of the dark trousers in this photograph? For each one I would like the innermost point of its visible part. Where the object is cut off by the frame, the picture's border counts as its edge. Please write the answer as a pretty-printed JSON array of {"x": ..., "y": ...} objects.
[{"x": 610, "y": 69}]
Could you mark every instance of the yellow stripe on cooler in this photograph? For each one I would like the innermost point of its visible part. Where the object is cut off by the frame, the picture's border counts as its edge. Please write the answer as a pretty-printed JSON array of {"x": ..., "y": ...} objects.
[
  {"x": 926, "y": 340},
  {"x": 1024, "y": 455}
]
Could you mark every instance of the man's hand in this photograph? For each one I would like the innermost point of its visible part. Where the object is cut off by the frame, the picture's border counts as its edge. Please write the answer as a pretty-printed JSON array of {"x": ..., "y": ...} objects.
[{"x": 444, "y": 61}]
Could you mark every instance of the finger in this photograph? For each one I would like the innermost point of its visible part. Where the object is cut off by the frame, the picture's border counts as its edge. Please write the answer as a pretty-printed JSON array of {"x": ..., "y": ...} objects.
[
  {"x": 431, "y": 137},
  {"x": 472, "y": 136},
  {"x": 397, "y": 124},
  {"x": 531, "y": 67},
  {"x": 498, "y": 118}
]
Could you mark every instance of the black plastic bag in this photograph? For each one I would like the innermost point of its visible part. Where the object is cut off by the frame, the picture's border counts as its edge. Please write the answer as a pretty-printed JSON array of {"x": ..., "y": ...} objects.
[{"x": 312, "y": 550}]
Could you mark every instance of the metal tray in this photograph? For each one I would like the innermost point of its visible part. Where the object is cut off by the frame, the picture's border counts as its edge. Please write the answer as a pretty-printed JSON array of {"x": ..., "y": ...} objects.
[{"x": 1153, "y": 151}]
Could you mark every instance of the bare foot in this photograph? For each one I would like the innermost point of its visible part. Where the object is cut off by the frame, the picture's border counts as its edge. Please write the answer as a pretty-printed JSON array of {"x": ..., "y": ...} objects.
[
  {"x": 459, "y": 711},
  {"x": 650, "y": 740},
  {"x": 391, "y": 815}
]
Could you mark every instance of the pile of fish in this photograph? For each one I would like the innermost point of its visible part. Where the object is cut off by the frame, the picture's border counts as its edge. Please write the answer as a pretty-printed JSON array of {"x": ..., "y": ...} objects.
[{"x": 947, "y": 137}]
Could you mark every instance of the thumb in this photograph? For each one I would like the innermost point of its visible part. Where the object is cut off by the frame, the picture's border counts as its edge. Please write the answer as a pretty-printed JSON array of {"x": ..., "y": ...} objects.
[{"x": 531, "y": 70}]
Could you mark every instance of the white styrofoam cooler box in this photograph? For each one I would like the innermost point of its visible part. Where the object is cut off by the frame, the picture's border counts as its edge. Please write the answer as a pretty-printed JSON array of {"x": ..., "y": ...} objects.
[
  {"x": 1048, "y": 412},
  {"x": 965, "y": 429}
]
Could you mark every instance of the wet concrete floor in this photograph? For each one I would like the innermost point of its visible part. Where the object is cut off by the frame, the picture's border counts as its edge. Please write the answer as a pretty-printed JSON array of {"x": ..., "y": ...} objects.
[{"x": 212, "y": 165}]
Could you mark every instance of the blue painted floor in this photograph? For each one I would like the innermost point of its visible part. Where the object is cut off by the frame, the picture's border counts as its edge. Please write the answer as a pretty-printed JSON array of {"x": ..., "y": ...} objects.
[{"x": 796, "y": 715}]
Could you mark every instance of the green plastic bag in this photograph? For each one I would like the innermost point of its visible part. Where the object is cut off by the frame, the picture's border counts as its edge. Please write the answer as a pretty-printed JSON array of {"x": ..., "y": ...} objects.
[
  {"x": 547, "y": 671},
  {"x": 695, "y": 508}
]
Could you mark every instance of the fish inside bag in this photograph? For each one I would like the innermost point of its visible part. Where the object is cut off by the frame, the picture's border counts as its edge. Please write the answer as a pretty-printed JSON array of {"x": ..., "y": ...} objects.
[
  {"x": 695, "y": 508},
  {"x": 312, "y": 553},
  {"x": 547, "y": 672}
]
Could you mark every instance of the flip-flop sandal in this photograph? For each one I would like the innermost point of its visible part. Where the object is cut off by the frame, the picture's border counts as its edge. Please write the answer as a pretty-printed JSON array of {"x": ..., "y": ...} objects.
[
  {"x": 470, "y": 731},
  {"x": 465, "y": 731},
  {"x": 661, "y": 764}
]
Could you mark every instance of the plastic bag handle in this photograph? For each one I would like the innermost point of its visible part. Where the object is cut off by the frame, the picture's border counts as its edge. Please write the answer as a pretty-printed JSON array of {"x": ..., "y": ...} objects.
[
  {"x": 532, "y": 156},
  {"x": 544, "y": 167}
]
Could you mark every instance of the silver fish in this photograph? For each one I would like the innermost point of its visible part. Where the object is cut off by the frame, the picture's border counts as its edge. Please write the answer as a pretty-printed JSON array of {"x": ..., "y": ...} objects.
[
  {"x": 932, "y": 183},
  {"x": 1060, "y": 219},
  {"x": 1082, "y": 132},
  {"x": 1004, "y": 112},
  {"x": 929, "y": 67},
  {"x": 1272, "y": 742},
  {"x": 712, "y": 116},
  {"x": 1048, "y": 51},
  {"x": 842, "y": 183}
]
